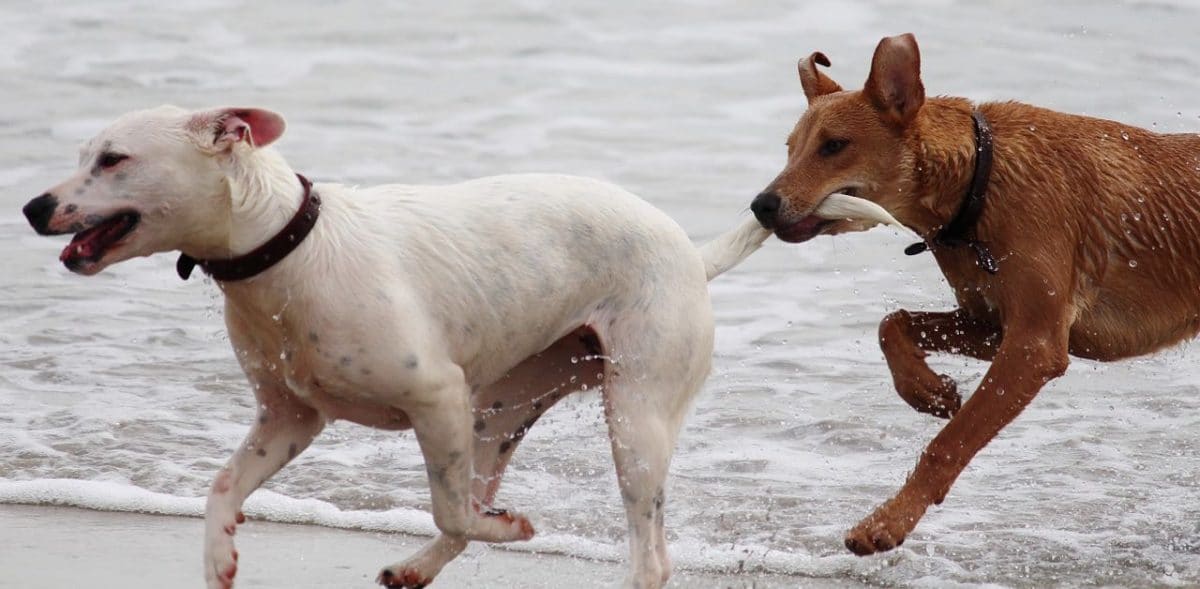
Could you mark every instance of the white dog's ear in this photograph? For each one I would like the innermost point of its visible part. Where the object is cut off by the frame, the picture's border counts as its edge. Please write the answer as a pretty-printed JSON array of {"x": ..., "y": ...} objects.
[{"x": 224, "y": 127}]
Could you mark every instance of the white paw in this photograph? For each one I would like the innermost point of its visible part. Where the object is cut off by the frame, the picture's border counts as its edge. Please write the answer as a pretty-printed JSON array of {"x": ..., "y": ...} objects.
[
  {"x": 498, "y": 525},
  {"x": 220, "y": 557}
]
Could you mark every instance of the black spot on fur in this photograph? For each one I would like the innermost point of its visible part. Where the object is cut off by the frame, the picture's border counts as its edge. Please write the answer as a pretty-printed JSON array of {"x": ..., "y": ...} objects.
[
  {"x": 411, "y": 362},
  {"x": 345, "y": 361},
  {"x": 521, "y": 431},
  {"x": 480, "y": 424},
  {"x": 537, "y": 405},
  {"x": 497, "y": 405},
  {"x": 505, "y": 446},
  {"x": 120, "y": 176},
  {"x": 366, "y": 371},
  {"x": 71, "y": 208},
  {"x": 87, "y": 181},
  {"x": 261, "y": 452},
  {"x": 262, "y": 418},
  {"x": 313, "y": 337},
  {"x": 292, "y": 450}
]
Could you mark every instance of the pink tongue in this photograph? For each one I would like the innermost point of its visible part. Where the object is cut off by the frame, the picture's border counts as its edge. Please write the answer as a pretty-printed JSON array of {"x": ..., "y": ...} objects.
[{"x": 83, "y": 249}]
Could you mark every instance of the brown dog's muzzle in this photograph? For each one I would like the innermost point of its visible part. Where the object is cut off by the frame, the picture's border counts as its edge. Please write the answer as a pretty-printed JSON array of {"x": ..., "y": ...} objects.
[{"x": 766, "y": 209}]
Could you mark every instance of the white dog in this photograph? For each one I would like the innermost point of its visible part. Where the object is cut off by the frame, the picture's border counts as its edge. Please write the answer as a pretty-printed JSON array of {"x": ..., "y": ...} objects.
[{"x": 464, "y": 312}]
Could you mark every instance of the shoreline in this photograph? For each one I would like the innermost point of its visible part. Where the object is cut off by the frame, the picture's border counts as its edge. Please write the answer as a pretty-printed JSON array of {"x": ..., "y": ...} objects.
[{"x": 52, "y": 546}]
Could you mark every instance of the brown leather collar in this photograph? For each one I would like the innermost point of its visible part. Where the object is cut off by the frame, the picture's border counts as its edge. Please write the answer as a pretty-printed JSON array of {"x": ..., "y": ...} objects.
[
  {"x": 955, "y": 233},
  {"x": 265, "y": 255}
]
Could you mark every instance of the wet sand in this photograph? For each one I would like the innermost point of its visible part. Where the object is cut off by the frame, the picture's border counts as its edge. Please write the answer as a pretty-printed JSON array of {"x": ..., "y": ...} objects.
[{"x": 65, "y": 547}]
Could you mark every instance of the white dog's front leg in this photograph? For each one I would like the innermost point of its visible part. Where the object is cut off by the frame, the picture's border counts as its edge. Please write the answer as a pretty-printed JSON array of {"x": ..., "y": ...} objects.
[
  {"x": 444, "y": 433},
  {"x": 283, "y": 429},
  {"x": 443, "y": 426}
]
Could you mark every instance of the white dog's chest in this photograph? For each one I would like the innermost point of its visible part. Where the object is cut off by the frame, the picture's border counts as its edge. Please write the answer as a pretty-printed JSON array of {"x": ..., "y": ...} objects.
[
  {"x": 341, "y": 387},
  {"x": 338, "y": 376}
]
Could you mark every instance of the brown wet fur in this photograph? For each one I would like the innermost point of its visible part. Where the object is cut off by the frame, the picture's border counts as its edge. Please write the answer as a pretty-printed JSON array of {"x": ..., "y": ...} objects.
[{"x": 1095, "y": 224}]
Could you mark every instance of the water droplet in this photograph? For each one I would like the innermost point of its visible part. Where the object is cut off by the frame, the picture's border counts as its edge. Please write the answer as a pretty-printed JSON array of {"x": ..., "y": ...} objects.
[
  {"x": 1133, "y": 263},
  {"x": 574, "y": 359},
  {"x": 1124, "y": 135}
]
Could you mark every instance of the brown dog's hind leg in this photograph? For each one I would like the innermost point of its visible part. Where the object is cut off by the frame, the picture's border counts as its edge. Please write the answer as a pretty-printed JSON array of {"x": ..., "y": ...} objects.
[{"x": 907, "y": 337}]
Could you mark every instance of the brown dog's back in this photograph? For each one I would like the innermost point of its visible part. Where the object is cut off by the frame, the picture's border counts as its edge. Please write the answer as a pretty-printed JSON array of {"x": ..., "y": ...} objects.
[{"x": 1121, "y": 203}]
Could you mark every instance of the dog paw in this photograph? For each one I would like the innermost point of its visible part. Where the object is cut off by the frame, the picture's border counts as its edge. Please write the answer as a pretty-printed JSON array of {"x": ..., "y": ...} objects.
[
  {"x": 884, "y": 529},
  {"x": 220, "y": 557},
  {"x": 518, "y": 526},
  {"x": 935, "y": 394},
  {"x": 221, "y": 568},
  {"x": 402, "y": 578}
]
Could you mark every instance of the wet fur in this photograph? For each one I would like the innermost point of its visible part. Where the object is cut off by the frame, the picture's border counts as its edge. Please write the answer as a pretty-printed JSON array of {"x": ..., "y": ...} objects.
[
  {"x": 462, "y": 311},
  {"x": 1096, "y": 226}
]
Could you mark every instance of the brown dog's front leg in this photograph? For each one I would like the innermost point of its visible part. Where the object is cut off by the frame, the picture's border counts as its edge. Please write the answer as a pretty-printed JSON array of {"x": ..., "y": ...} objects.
[
  {"x": 906, "y": 338},
  {"x": 1031, "y": 354}
]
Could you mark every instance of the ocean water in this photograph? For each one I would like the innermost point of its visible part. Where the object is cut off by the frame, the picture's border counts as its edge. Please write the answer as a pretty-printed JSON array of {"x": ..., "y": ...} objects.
[{"x": 120, "y": 392}]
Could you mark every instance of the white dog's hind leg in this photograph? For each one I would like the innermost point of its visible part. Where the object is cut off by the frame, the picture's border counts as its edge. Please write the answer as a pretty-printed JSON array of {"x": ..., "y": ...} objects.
[
  {"x": 642, "y": 443},
  {"x": 503, "y": 412},
  {"x": 283, "y": 429},
  {"x": 646, "y": 397}
]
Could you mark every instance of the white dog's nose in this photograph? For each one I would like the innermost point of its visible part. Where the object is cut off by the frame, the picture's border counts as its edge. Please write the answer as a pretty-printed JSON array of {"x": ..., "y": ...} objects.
[{"x": 39, "y": 211}]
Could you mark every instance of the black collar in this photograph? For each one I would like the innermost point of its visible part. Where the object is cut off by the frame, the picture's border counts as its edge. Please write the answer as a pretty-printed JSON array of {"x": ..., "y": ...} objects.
[
  {"x": 955, "y": 233},
  {"x": 265, "y": 255}
]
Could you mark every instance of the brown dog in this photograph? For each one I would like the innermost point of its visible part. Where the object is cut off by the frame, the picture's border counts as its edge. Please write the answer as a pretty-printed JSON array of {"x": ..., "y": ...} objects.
[{"x": 1092, "y": 229}]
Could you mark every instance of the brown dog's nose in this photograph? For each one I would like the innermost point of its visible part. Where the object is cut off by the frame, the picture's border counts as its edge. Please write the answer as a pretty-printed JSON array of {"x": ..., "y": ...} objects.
[
  {"x": 766, "y": 208},
  {"x": 39, "y": 211}
]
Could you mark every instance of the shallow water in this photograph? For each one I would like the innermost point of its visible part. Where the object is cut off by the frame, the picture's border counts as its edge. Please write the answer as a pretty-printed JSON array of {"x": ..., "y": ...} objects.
[{"x": 126, "y": 379}]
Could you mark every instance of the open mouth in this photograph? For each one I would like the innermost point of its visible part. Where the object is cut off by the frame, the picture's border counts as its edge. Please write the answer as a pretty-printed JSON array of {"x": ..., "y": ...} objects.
[
  {"x": 812, "y": 225},
  {"x": 803, "y": 230},
  {"x": 90, "y": 245}
]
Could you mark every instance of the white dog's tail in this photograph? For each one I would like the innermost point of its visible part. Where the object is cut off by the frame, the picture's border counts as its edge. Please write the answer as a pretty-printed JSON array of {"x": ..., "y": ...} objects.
[{"x": 733, "y": 246}]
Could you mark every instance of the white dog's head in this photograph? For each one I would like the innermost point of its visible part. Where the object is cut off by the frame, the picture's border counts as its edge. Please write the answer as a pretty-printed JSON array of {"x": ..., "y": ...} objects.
[{"x": 153, "y": 181}]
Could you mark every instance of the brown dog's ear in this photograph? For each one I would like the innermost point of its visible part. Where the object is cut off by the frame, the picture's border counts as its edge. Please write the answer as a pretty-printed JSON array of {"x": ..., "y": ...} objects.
[
  {"x": 814, "y": 82},
  {"x": 894, "y": 84}
]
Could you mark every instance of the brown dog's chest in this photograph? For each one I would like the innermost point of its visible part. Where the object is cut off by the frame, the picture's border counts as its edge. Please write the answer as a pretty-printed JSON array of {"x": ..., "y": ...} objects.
[{"x": 970, "y": 284}]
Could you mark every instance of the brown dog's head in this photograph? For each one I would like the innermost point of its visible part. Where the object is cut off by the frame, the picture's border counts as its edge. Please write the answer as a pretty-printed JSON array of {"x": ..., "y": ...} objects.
[{"x": 846, "y": 142}]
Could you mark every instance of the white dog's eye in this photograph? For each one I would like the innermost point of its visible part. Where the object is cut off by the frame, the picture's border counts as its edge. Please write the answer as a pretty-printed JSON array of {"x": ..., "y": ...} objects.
[{"x": 110, "y": 159}]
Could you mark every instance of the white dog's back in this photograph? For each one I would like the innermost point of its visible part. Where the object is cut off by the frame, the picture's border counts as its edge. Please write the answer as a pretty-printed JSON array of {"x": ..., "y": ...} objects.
[{"x": 505, "y": 264}]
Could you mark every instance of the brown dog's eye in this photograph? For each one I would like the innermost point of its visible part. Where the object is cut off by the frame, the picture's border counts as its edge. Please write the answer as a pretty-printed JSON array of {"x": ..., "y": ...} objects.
[
  {"x": 110, "y": 159},
  {"x": 832, "y": 146}
]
